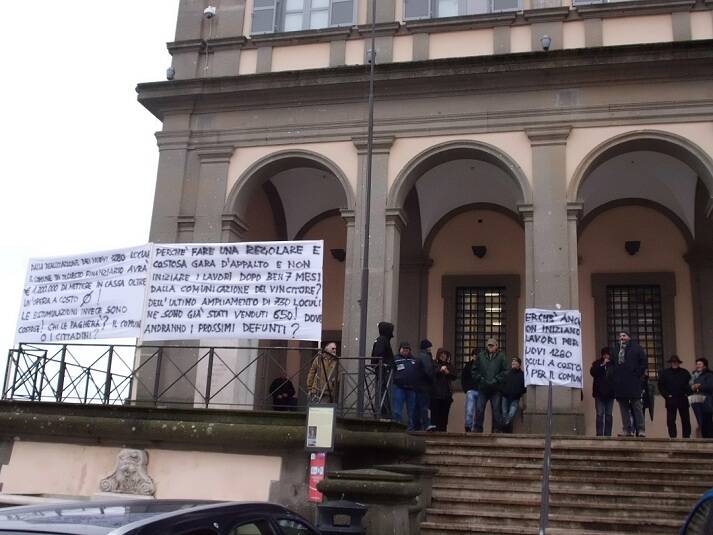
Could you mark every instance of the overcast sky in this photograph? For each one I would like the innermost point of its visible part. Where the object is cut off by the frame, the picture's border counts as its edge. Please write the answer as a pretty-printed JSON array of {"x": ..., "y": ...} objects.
[{"x": 78, "y": 155}]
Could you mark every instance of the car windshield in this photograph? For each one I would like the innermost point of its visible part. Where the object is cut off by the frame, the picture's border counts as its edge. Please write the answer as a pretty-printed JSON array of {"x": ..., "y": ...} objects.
[{"x": 105, "y": 515}]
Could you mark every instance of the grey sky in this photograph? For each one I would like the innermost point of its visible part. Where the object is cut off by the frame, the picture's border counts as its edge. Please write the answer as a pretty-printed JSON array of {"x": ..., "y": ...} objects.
[{"x": 77, "y": 152}]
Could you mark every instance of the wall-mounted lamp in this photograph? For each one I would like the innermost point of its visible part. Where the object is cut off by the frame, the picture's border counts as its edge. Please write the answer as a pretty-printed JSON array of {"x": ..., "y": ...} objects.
[
  {"x": 338, "y": 254},
  {"x": 546, "y": 41},
  {"x": 479, "y": 250},
  {"x": 170, "y": 73},
  {"x": 632, "y": 247}
]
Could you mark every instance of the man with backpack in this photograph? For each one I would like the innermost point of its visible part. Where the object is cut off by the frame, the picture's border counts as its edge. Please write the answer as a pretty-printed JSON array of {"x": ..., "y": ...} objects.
[{"x": 406, "y": 377}]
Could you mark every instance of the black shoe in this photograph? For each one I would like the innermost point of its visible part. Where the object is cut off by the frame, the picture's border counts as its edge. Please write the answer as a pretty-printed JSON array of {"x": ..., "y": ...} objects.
[{"x": 468, "y": 430}]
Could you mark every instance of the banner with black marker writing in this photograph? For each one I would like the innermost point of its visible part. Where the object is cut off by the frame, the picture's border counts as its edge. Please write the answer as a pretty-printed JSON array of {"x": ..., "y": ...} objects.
[
  {"x": 553, "y": 347},
  {"x": 266, "y": 290},
  {"x": 83, "y": 297}
]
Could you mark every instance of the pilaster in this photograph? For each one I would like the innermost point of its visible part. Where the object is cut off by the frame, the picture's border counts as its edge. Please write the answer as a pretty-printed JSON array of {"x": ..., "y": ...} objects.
[{"x": 212, "y": 190}]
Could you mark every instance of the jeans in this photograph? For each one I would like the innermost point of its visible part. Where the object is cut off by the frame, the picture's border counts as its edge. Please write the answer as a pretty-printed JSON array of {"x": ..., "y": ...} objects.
[
  {"x": 399, "y": 396},
  {"x": 604, "y": 416},
  {"x": 423, "y": 403},
  {"x": 439, "y": 413},
  {"x": 509, "y": 410},
  {"x": 678, "y": 404},
  {"x": 483, "y": 398},
  {"x": 471, "y": 402},
  {"x": 632, "y": 416},
  {"x": 705, "y": 420}
]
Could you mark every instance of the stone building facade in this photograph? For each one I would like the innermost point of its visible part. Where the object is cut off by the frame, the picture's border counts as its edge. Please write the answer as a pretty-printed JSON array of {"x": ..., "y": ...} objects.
[{"x": 580, "y": 174}]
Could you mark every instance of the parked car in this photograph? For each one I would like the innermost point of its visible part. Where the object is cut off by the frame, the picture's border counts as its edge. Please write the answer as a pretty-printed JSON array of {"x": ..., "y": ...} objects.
[
  {"x": 154, "y": 517},
  {"x": 700, "y": 519}
]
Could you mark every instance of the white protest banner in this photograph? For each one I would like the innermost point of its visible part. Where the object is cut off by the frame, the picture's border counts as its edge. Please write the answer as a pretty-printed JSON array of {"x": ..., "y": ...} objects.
[
  {"x": 82, "y": 297},
  {"x": 263, "y": 290},
  {"x": 553, "y": 347}
]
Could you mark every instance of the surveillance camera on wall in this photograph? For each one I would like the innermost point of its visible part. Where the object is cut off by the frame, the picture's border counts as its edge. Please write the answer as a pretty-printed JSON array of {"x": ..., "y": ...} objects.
[{"x": 209, "y": 12}]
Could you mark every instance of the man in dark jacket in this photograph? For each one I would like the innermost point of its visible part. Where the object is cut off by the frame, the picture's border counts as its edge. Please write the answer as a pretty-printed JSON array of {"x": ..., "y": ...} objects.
[
  {"x": 382, "y": 362},
  {"x": 513, "y": 389},
  {"x": 424, "y": 386},
  {"x": 470, "y": 389},
  {"x": 673, "y": 386},
  {"x": 630, "y": 369},
  {"x": 489, "y": 372},
  {"x": 602, "y": 371}
]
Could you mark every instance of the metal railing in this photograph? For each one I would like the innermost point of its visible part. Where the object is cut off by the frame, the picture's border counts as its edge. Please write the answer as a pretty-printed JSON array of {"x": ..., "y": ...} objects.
[{"x": 181, "y": 376}]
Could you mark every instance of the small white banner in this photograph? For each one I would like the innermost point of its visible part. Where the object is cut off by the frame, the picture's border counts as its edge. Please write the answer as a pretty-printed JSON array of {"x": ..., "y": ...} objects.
[
  {"x": 265, "y": 290},
  {"x": 553, "y": 347},
  {"x": 83, "y": 297}
]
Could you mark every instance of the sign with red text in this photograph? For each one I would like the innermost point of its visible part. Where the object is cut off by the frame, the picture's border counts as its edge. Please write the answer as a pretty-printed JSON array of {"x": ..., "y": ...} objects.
[
  {"x": 317, "y": 464},
  {"x": 553, "y": 347}
]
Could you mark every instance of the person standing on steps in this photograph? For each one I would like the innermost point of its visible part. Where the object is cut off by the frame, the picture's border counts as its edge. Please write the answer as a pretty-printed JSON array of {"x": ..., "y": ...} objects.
[
  {"x": 602, "y": 371},
  {"x": 703, "y": 386},
  {"x": 630, "y": 368},
  {"x": 323, "y": 376},
  {"x": 674, "y": 387},
  {"x": 442, "y": 396},
  {"x": 406, "y": 372},
  {"x": 470, "y": 389},
  {"x": 382, "y": 362},
  {"x": 424, "y": 386},
  {"x": 489, "y": 372},
  {"x": 513, "y": 389}
]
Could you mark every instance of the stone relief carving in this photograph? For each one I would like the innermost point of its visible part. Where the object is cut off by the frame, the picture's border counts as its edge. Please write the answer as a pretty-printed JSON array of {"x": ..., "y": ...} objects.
[{"x": 131, "y": 475}]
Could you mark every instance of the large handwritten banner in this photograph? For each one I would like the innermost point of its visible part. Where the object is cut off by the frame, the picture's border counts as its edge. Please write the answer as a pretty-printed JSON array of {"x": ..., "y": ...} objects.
[
  {"x": 82, "y": 297},
  {"x": 269, "y": 290},
  {"x": 553, "y": 347}
]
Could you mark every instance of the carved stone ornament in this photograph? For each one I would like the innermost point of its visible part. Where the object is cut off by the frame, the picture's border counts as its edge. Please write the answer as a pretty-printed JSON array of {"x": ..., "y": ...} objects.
[{"x": 131, "y": 475}]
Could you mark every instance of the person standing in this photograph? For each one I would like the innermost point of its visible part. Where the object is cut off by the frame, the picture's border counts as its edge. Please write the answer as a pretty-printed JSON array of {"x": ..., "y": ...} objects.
[
  {"x": 673, "y": 386},
  {"x": 442, "y": 395},
  {"x": 602, "y": 371},
  {"x": 702, "y": 384},
  {"x": 323, "y": 376},
  {"x": 470, "y": 389},
  {"x": 489, "y": 372},
  {"x": 382, "y": 361},
  {"x": 424, "y": 386},
  {"x": 630, "y": 369},
  {"x": 404, "y": 388},
  {"x": 513, "y": 389}
]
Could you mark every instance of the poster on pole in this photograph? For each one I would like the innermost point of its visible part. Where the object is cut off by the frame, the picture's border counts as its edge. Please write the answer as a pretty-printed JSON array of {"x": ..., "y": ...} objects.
[
  {"x": 83, "y": 297},
  {"x": 268, "y": 290},
  {"x": 553, "y": 347}
]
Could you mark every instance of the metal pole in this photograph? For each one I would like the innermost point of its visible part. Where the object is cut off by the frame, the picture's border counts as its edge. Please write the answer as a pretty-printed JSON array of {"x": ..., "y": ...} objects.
[
  {"x": 60, "y": 375},
  {"x": 10, "y": 353},
  {"x": 107, "y": 380},
  {"x": 209, "y": 378},
  {"x": 545, "y": 498},
  {"x": 364, "y": 298},
  {"x": 157, "y": 377}
]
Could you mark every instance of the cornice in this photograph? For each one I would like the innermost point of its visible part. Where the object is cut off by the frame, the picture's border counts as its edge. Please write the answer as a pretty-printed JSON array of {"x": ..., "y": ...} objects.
[
  {"x": 349, "y": 216},
  {"x": 631, "y": 8},
  {"x": 185, "y": 223},
  {"x": 574, "y": 210},
  {"x": 549, "y": 135},
  {"x": 301, "y": 37},
  {"x": 218, "y": 154},
  {"x": 233, "y": 224},
  {"x": 226, "y": 42},
  {"x": 450, "y": 24},
  {"x": 173, "y": 140},
  {"x": 397, "y": 217},
  {"x": 548, "y": 14},
  {"x": 193, "y": 45},
  {"x": 526, "y": 211},
  {"x": 380, "y": 29}
]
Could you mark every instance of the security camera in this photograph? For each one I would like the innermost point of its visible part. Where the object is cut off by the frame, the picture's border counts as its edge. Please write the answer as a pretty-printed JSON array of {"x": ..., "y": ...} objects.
[{"x": 209, "y": 12}]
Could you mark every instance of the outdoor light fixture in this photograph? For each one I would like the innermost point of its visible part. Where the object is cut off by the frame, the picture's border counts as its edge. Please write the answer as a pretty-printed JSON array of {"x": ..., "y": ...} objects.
[
  {"x": 479, "y": 250},
  {"x": 546, "y": 41},
  {"x": 170, "y": 73},
  {"x": 632, "y": 247},
  {"x": 338, "y": 254}
]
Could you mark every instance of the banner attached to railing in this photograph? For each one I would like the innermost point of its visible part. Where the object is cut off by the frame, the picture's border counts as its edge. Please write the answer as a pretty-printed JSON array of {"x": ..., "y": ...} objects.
[
  {"x": 263, "y": 290},
  {"x": 553, "y": 347},
  {"x": 82, "y": 297}
]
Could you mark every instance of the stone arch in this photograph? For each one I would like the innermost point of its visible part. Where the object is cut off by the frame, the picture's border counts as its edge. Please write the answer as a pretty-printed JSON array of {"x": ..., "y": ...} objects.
[
  {"x": 443, "y": 221},
  {"x": 272, "y": 164},
  {"x": 650, "y": 140},
  {"x": 675, "y": 218},
  {"x": 455, "y": 150}
]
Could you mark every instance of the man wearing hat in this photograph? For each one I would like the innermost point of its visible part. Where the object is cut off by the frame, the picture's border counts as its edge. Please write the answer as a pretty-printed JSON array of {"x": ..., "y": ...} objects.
[
  {"x": 673, "y": 386},
  {"x": 630, "y": 365},
  {"x": 488, "y": 372}
]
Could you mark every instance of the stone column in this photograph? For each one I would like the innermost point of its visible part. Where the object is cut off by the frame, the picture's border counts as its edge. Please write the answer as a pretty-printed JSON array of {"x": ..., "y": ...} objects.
[
  {"x": 212, "y": 190},
  {"x": 551, "y": 265},
  {"x": 352, "y": 271},
  {"x": 700, "y": 261}
]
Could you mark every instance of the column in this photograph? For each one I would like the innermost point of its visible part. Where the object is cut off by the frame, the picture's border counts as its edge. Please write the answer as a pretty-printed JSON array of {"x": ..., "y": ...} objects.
[
  {"x": 551, "y": 265},
  {"x": 212, "y": 191}
]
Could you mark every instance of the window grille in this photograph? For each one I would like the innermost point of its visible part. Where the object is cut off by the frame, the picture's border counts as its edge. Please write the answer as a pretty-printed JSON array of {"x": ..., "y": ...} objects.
[
  {"x": 480, "y": 314},
  {"x": 637, "y": 310}
]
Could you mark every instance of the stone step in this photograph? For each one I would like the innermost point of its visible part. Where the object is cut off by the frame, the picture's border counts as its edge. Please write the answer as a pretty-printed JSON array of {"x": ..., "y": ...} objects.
[
  {"x": 621, "y": 520},
  {"x": 433, "y": 528},
  {"x": 573, "y": 484}
]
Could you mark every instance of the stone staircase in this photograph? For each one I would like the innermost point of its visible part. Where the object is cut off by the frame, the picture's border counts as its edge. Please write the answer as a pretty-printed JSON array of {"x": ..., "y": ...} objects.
[{"x": 491, "y": 484}]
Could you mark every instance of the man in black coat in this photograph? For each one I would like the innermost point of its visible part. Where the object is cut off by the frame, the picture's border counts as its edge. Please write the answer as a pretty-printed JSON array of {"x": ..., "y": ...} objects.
[
  {"x": 602, "y": 371},
  {"x": 673, "y": 386},
  {"x": 382, "y": 363},
  {"x": 630, "y": 368}
]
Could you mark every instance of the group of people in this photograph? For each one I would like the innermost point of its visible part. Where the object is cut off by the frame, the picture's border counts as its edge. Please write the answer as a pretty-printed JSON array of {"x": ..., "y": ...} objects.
[
  {"x": 620, "y": 374},
  {"x": 422, "y": 383}
]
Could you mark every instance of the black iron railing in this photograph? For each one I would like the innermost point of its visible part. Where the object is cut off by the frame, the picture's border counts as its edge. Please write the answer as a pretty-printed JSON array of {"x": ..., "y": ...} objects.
[{"x": 244, "y": 378}]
